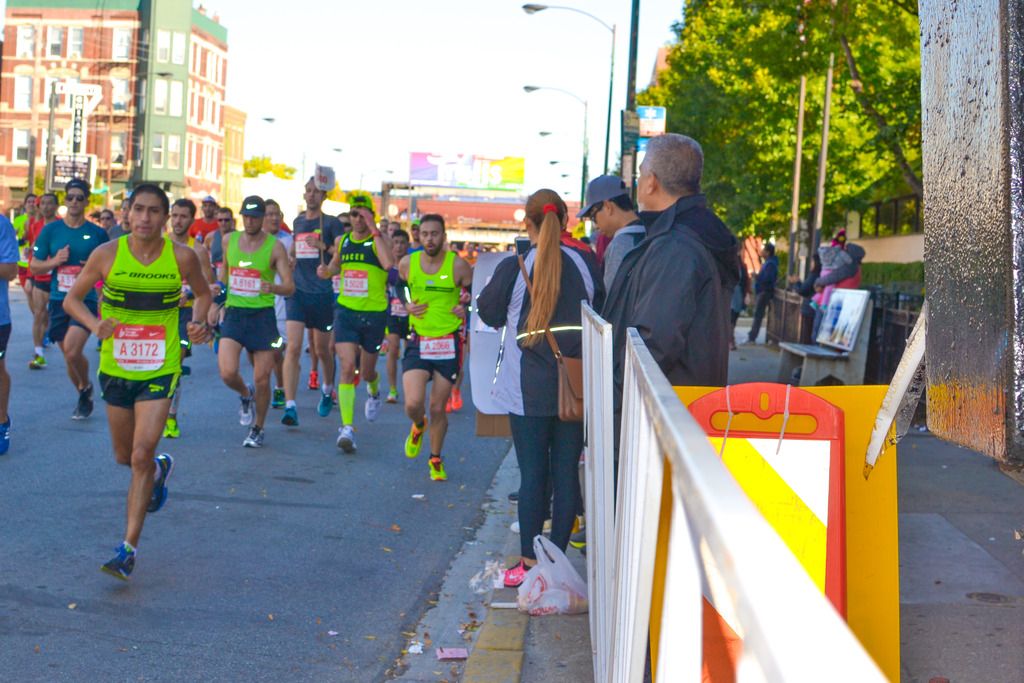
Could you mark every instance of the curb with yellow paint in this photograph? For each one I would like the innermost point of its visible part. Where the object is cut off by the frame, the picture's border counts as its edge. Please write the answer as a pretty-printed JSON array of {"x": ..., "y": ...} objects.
[{"x": 497, "y": 656}]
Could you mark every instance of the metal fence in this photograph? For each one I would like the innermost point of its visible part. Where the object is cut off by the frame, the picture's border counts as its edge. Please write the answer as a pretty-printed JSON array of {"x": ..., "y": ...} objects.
[{"x": 719, "y": 548}]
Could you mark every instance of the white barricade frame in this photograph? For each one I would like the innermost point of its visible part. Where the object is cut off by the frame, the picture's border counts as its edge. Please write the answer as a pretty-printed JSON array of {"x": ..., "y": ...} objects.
[
  {"x": 719, "y": 546},
  {"x": 598, "y": 488}
]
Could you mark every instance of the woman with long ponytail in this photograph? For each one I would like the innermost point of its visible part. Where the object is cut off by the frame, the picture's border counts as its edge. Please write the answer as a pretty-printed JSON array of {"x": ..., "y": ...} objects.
[{"x": 558, "y": 278}]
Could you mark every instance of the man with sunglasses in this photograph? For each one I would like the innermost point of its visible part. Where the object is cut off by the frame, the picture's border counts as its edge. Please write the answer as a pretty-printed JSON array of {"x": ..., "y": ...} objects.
[
  {"x": 40, "y": 283},
  {"x": 62, "y": 248},
  {"x": 362, "y": 258},
  {"x": 611, "y": 210}
]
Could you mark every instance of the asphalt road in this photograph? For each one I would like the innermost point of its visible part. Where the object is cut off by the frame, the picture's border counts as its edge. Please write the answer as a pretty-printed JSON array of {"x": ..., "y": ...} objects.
[{"x": 294, "y": 562}]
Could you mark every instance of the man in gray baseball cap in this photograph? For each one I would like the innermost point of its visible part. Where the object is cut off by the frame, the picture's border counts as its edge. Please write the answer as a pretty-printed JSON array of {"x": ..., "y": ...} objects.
[{"x": 611, "y": 210}]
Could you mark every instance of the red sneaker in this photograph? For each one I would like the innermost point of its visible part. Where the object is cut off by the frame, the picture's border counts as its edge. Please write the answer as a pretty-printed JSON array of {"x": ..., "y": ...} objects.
[
  {"x": 314, "y": 381},
  {"x": 456, "y": 399},
  {"x": 515, "y": 576}
]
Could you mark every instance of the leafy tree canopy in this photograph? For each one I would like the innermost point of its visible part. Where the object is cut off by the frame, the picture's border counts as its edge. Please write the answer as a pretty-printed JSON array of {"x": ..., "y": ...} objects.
[
  {"x": 257, "y": 166},
  {"x": 733, "y": 84}
]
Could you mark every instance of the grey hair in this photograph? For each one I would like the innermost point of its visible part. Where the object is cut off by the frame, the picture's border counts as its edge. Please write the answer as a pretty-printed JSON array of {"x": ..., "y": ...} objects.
[{"x": 677, "y": 161}]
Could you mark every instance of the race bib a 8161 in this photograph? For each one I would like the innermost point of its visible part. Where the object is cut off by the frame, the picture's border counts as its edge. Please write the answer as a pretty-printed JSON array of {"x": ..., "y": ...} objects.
[{"x": 244, "y": 282}]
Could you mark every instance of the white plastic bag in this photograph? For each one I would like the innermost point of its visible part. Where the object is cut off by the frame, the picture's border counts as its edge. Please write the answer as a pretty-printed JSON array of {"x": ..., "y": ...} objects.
[{"x": 552, "y": 586}]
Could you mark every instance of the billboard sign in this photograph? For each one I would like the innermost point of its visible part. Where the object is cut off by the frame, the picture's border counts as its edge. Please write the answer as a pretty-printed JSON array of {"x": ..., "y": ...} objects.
[
  {"x": 467, "y": 171},
  {"x": 64, "y": 167}
]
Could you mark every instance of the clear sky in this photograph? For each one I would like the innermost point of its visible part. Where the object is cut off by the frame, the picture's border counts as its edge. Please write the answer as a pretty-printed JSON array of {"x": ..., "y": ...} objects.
[{"x": 382, "y": 78}]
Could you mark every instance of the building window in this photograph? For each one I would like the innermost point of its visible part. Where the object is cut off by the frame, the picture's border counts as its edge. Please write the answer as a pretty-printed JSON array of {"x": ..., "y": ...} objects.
[
  {"x": 157, "y": 156},
  {"x": 22, "y": 92},
  {"x": 159, "y": 96},
  {"x": 163, "y": 46},
  {"x": 54, "y": 41},
  {"x": 178, "y": 48},
  {"x": 26, "y": 41},
  {"x": 120, "y": 94},
  {"x": 118, "y": 142},
  {"x": 21, "y": 143},
  {"x": 174, "y": 152},
  {"x": 177, "y": 98},
  {"x": 76, "y": 42},
  {"x": 122, "y": 44}
]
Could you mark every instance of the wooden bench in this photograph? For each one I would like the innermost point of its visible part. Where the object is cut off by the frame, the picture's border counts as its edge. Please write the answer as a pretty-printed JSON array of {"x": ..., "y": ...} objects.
[{"x": 830, "y": 363}]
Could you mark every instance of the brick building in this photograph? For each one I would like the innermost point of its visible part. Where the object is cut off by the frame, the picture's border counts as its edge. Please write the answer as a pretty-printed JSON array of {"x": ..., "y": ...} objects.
[{"x": 161, "y": 67}]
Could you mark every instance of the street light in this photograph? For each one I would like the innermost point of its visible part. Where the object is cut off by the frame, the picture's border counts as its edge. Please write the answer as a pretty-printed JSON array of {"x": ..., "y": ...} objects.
[
  {"x": 586, "y": 143},
  {"x": 533, "y": 8}
]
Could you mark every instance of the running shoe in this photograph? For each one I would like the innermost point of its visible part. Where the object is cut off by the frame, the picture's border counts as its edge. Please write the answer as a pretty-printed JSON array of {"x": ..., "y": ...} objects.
[
  {"x": 414, "y": 441},
  {"x": 514, "y": 576},
  {"x": 323, "y": 408},
  {"x": 5, "y": 436},
  {"x": 46, "y": 341},
  {"x": 255, "y": 438},
  {"x": 37, "y": 363},
  {"x": 314, "y": 381},
  {"x": 372, "y": 407},
  {"x": 164, "y": 467},
  {"x": 84, "y": 407},
  {"x": 278, "y": 399},
  {"x": 122, "y": 564},
  {"x": 247, "y": 409},
  {"x": 384, "y": 347},
  {"x": 456, "y": 400},
  {"x": 171, "y": 430},
  {"x": 393, "y": 395},
  {"x": 290, "y": 417},
  {"x": 437, "y": 472},
  {"x": 579, "y": 540},
  {"x": 347, "y": 439}
]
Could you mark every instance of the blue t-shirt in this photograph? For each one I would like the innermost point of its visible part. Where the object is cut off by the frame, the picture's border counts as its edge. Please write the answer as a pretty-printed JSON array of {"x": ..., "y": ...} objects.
[
  {"x": 307, "y": 259},
  {"x": 82, "y": 241},
  {"x": 8, "y": 254}
]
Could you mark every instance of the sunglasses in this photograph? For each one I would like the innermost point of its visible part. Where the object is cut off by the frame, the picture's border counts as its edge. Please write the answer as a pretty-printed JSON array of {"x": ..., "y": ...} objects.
[{"x": 76, "y": 197}]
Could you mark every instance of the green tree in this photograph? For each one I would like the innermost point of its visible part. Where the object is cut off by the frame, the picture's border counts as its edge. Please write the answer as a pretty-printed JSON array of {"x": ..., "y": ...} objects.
[
  {"x": 257, "y": 166},
  {"x": 733, "y": 85}
]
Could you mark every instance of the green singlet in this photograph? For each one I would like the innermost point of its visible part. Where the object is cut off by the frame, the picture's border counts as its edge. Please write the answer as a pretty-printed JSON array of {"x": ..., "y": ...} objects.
[
  {"x": 144, "y": 300},
  {"x": 246, "y": 271},
  {"x": 441, "y": 294},
  {"x": 364, "y": 283}
]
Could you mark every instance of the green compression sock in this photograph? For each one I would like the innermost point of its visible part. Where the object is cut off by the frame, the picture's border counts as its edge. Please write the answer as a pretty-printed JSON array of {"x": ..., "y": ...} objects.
[
  {"x": 374, "y": 386},
  {"x": 346, "y": 402}
]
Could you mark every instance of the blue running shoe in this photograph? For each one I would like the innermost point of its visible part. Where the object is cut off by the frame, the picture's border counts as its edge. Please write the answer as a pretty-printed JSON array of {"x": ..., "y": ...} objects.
[
  {"x": 5, "y": 435},
  {"x": 290, "y": 417},
  {"x": 122, "y": 564},
  {"x": 323, "y": 408},
  {"x": 165, "y": 465}
]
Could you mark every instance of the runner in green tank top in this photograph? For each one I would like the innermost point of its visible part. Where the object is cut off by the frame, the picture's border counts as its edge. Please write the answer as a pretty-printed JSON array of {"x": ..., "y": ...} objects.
[
  {"x": 183, "y": 214},
  {"x": 251, "y": 260},
  {"x": 363, "y": 258},
  {"x": 436, "y": 277},
  {"x": 139, "y": 365}
]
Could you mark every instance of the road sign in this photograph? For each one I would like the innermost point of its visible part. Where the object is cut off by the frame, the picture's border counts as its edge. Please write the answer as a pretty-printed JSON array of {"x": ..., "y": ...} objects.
[
  {"x": 652, "y": 121},
  {"x": 630, "y": 129},
  {"x": 64, "y": 167},
  {"x": 90, "y": 92}
]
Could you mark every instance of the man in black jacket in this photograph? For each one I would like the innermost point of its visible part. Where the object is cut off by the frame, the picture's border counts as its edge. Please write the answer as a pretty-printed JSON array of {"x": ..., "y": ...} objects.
[{"x": 675, "y": 286}]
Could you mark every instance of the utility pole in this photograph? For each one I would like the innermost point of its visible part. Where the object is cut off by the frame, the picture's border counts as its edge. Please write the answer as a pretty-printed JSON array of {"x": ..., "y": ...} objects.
[
  {"x": 794, "y": 217},
  {"x": 819, "y": 202},
  {"x": 49, "y": 135},
  {"x": 633, "y": 38}
]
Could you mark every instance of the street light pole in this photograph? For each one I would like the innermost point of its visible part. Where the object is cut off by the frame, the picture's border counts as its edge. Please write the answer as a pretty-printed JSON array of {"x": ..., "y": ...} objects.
[{"x": 533, "y": 8}]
